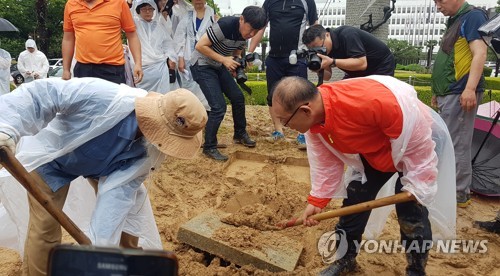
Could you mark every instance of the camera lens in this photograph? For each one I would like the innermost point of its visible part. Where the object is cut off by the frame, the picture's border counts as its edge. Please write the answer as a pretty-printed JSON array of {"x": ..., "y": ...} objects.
[{"x": 314, "y": 62}]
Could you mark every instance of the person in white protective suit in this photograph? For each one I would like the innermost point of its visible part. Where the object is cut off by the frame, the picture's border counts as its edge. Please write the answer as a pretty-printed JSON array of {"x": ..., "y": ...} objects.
[
  {"x": 189, "y": 30},
  {"x": 32, "y": 63},
  {"x": 100, "y": 130},
  {"x": 5, "y": 61},
  {"x": 157, "y": 46},
  {"x": 378, "y": 128}
]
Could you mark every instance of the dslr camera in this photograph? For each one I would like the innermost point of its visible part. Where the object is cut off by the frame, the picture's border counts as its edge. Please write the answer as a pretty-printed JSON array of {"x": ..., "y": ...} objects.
[
  {"x": 241, "y": 77},
  {"x": 311, "y": 56}
]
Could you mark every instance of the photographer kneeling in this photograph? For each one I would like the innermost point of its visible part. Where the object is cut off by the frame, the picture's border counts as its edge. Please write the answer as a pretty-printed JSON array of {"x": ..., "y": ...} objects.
[
  {"x": 213, "y": 65},
  {"x": 354, "y": 51}
]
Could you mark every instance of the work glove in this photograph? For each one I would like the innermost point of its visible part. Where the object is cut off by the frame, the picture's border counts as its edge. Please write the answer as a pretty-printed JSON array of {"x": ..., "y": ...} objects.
[{"x": 7, "y": 141}]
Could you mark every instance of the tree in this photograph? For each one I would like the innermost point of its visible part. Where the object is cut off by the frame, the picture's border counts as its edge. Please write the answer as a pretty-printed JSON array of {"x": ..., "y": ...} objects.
[
  {"x": 214, "y": 6},
  {"x": 430, "y": 47},
  {"x": 403, "y": 52},
  {"x": 40, "y": 19},
  {"x": 497, "y": 8}
]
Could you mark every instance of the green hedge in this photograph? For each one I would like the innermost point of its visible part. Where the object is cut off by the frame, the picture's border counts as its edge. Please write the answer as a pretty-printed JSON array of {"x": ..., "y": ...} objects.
[{"x": 259, "y": 93}]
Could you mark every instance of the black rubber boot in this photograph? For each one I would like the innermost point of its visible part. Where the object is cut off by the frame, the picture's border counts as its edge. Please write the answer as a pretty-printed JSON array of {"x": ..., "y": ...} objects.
[
  {"x": 347, "y": 263},
  {"x": 416, "y": 263},
  {"x": 490, "y": 226},
  {"x": 340, "y": 267}
]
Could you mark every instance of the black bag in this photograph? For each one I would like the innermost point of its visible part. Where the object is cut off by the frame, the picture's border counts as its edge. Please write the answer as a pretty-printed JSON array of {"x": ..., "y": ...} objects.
[{"x": 89, "y": 260}]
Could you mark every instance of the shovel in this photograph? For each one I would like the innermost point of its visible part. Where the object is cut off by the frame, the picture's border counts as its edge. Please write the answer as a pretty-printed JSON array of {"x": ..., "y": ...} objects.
[
  {"x": 353, "y": 209},
  {"x": 16, "y": 169}
]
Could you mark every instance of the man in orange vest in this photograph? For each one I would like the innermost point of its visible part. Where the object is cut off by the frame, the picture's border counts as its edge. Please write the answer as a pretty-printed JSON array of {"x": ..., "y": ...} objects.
[{"x": 377, "y": 127}]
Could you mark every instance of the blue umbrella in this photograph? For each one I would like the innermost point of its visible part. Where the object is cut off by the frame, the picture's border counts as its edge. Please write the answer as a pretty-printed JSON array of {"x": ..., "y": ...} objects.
[{"x": 6, "y": 26}]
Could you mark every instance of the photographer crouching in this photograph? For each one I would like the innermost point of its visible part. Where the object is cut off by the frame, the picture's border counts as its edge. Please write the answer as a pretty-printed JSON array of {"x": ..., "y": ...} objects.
[
  {"x": 212, "y": 70},
  {"x": 352, "y": 50}
]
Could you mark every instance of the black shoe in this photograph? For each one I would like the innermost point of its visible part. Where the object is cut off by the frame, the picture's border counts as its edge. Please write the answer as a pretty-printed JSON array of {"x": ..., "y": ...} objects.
[
  {"x": 245, "y": 141},
  {"x": 490, "y": 226},
  {"x": 416, "y": 263},
  {"x": 215, "y": 154},
  {"x": 339, "y": 267}
]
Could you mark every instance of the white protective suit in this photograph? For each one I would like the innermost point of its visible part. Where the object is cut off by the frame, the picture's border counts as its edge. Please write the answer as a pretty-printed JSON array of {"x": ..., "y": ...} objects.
[
  {"x": 157, "y": 46},
  {"x": 186, "y": 37},
  {"x": 5, "y": 61},
  {"x": 327, "y": 165},
  {"x": 30, "y": 64},
  {"x": 54, "y": 117}
]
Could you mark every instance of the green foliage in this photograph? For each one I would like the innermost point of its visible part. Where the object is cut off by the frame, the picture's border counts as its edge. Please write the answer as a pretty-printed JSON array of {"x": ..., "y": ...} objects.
[
  {"x": 214, "y": 6},
  {"x": 259, "y": 89},
  {"x": 492, "y": 83},
  {"x": 403, "y": 51},
  {"x": 255, "y": 76},
  {"x": 259, "y": 93},
  {"x": 487, "y": 71},
  {"x": 22, "y": 13}
]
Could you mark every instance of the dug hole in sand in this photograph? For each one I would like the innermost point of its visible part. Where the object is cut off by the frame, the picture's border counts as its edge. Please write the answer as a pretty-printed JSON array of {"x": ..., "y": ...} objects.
[{"x": 184, "y": 189}]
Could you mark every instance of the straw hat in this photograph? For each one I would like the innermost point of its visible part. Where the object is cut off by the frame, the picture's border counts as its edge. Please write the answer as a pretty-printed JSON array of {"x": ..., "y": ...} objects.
[{"x": 172, "y": 122}]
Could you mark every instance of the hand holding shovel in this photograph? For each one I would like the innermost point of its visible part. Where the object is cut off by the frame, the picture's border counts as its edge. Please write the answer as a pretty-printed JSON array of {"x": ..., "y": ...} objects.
[
  {"x": 353, "y": 209},
  {"x": 16, "y": 169}
]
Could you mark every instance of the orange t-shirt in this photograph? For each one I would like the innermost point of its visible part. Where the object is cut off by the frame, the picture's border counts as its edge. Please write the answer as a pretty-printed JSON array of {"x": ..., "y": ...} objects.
[
  {"x": 360, "y": 118},
  {"x": 98, "y": 36}
]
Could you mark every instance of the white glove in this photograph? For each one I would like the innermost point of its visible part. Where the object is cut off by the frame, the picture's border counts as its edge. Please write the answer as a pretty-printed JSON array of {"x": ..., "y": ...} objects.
[{"x": 7, "y": 141}]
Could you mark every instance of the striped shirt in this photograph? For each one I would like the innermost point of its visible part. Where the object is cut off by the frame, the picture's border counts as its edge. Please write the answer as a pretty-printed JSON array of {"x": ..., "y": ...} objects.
[{"x": 225, "y": 37}]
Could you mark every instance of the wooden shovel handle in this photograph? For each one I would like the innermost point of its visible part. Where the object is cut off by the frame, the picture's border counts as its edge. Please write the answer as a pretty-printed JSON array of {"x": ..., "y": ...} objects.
[
  {"x": 17, "y": 170},
  {"x": 354, "y": 209}
]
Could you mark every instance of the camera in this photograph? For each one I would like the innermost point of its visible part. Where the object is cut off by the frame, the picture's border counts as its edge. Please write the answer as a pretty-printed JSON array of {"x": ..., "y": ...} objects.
[
  {"x": 311, "y": 56},
  {"x": 241, "y": 77}
]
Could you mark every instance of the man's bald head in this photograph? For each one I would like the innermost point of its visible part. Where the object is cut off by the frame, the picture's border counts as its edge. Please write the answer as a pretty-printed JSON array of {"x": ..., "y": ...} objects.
[{"x": 290, "y": 92}]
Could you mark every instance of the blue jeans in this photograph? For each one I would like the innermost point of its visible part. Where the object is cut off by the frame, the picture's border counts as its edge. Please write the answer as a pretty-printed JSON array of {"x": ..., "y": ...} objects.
[
  {"x": 278, "y": 68},
  {"x": 215, "y": 82}
]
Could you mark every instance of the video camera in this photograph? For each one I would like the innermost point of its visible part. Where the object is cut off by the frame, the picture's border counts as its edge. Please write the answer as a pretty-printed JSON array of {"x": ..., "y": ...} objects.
[
  {"x": 311, "y": 55},
  {"x": 241, "y": 77}
]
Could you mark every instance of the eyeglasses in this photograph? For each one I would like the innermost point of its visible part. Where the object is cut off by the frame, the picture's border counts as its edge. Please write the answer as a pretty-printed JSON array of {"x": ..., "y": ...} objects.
[
  {"x": 146, "y": 9},
  {"x": 293, "y": 114}
]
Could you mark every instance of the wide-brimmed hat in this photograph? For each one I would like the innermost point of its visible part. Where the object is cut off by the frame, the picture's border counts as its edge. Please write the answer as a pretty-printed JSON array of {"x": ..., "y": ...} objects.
[{"x": 172, "y": 122}]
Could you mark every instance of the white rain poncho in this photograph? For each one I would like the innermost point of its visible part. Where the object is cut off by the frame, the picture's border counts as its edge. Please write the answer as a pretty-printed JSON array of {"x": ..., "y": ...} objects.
[
  {"x": 33, "y": 63},
  {"x": 179, "y": 11},
  {"x": 4, "y": 72},
  {"x": 54, "y": 117},
  {"x": 186, "y": 37},
  {"x": 438, "y": 196},
  {"x": 157, "y": 46}
]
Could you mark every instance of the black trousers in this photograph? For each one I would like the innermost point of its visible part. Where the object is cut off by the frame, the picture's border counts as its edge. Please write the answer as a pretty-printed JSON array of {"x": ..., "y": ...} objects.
[
  {"x": 112, "y": 73},
  {"x": 412, "y": 216}
]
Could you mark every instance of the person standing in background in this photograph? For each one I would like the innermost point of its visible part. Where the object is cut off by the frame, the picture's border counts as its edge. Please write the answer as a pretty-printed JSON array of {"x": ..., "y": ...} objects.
[
  {"x": 158, "y": 54},
  {"x": 95, "y": 28},
  {"x": 32, "y": 63},
  {"x": 213, "y": 68},
  {"x": 288, "y": 20},
  {"x": 189, "y": 31},
  {"x": 5, "y": 61},
  {"x": 457, "y": 83}
]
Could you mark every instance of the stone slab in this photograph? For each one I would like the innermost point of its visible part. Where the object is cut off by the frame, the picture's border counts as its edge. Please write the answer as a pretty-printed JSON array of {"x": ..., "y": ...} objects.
[{"x": 282, "y": 254}]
